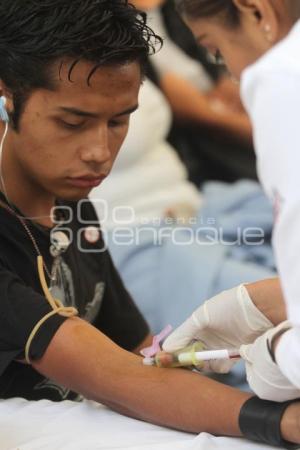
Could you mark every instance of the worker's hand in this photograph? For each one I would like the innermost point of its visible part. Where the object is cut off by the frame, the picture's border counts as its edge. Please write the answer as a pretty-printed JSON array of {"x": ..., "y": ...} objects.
[
  {"x": 227, "y": 320},
  {"x": 263, "y": 374}
]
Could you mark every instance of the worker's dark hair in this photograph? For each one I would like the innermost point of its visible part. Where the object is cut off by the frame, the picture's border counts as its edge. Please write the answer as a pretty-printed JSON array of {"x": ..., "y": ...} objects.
[
  {"x": 36, "y": 34},
  {"x": 194, "y": 9}
]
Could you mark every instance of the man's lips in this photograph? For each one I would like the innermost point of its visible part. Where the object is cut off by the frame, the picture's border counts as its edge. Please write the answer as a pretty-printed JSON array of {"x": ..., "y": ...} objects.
[{"x": 86, "y": 181}]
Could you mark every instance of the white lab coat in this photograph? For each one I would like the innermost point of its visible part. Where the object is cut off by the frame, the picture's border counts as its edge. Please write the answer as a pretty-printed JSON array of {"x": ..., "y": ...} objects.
[{"x": 271, "y": 94}]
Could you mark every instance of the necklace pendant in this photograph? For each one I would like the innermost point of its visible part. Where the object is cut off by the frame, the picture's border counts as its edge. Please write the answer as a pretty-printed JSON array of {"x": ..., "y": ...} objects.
[{"x": 60, "y": 243}]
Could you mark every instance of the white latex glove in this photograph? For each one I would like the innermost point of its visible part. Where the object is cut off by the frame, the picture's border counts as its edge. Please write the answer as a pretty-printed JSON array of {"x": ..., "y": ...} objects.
[
  {"x": 227, "y": 320},
  {"x": 263, "y": 374}
]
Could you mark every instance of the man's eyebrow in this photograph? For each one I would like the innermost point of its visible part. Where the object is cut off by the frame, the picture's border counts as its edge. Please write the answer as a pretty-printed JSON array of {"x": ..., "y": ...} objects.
[
  {"x": 80, "y": 113},
  {"x": 128, "y": 111}
]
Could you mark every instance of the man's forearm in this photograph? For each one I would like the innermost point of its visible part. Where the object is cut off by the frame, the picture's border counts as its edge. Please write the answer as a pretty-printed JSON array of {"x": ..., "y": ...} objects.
[
  {"x": 99, "y": 370},
  {"x": 268, "y": 298},
  {"x": 180, "y": 399}
]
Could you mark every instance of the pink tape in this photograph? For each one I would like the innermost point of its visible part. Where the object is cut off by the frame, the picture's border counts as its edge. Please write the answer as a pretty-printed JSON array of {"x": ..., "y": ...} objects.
[{"x": 149, "y": 352}]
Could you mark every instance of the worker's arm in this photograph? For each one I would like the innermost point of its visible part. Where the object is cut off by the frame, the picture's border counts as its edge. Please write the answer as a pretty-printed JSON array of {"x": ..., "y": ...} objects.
[
  {"x": 190, "y": 105},
  {"x": 268, "y": 297},
  {"x": 230, "y": 319}
]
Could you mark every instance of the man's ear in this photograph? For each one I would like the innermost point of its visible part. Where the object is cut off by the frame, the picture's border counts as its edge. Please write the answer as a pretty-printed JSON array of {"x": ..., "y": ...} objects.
[{"x": 264, "y": 14}]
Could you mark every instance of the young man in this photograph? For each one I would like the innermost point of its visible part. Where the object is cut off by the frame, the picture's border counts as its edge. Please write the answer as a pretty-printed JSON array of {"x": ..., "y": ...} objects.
[{"x": 70, "y": 74}]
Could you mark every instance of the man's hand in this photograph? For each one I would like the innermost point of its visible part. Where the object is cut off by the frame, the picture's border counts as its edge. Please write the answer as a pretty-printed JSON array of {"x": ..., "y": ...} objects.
[
  {"x": 263, "y": 374},
  {"x": 228, "y": 320}
]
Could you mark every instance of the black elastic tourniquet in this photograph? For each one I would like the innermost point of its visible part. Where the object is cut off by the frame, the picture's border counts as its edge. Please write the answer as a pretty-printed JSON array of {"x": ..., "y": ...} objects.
[{"x": 259, "y": 420}]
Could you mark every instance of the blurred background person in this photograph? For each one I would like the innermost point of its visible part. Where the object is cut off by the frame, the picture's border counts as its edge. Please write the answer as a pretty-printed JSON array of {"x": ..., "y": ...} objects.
[{"x": 211, "y": 131}]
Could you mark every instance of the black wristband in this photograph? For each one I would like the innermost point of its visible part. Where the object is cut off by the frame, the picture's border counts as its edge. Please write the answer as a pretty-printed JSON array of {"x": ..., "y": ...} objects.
[{"x": 259, "y": 420}]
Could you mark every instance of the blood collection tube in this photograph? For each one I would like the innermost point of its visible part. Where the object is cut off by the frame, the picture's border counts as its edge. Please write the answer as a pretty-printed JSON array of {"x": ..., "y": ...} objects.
[{"x": 194, "y": 355}]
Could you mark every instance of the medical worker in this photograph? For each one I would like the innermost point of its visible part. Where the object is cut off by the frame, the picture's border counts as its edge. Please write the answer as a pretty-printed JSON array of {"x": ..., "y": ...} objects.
[{"x": 260, "y": 43}]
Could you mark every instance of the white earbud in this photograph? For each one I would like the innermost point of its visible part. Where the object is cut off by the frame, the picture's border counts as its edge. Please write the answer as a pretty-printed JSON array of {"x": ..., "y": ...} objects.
[{"x": 3, "y": 113}]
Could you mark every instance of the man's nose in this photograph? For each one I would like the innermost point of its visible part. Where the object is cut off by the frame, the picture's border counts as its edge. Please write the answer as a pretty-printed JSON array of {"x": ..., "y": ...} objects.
[{"x": 96, "y": 146}]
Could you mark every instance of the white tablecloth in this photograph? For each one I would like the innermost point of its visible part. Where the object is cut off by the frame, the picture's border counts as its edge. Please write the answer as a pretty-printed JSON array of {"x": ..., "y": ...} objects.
[{"x": 45, "y": 425}]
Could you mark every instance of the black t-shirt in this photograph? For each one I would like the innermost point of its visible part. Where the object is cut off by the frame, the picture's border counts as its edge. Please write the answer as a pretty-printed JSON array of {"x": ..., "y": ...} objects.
[{"x": 86, "y": 279}]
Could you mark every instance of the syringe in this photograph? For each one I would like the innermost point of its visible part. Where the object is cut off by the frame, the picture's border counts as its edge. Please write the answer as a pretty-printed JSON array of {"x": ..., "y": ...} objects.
[{"x": 194, "y": 355}]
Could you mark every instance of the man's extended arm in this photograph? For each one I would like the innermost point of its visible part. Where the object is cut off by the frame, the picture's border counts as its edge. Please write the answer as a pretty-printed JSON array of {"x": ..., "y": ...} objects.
[{"x": 83, "y": 359}]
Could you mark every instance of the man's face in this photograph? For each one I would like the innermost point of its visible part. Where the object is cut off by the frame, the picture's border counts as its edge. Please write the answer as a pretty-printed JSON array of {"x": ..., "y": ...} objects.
[{"x": 68, "y": 139}]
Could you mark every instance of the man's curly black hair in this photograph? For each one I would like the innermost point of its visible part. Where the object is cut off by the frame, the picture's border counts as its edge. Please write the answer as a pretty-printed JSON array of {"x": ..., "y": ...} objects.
[{"x": 35, "y": 34}]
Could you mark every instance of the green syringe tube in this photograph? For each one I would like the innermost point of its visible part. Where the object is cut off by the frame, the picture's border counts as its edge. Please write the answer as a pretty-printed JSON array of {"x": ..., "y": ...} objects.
[{"x": 175, "y": 359}]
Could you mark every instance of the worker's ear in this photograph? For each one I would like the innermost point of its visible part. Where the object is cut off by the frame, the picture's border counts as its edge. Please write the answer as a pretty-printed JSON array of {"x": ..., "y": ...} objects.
[{"x": 263, "y": 14}]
